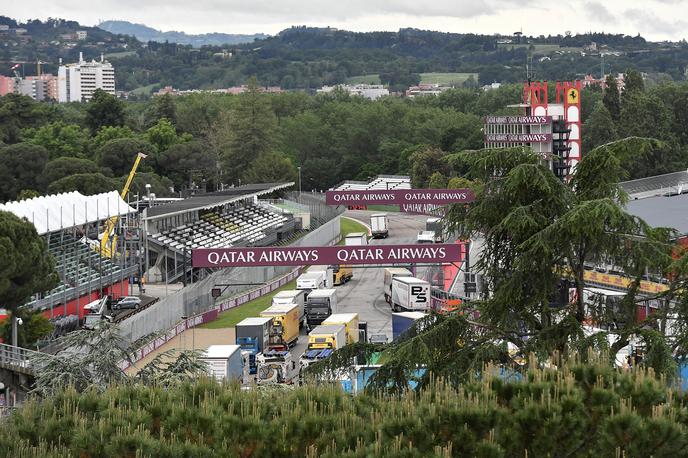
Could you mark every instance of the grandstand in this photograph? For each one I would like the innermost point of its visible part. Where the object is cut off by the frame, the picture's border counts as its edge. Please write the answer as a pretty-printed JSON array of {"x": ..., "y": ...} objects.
[
  {"x": 377, "y": 183},
  {"x": 660, "y": 185},
  {"x": 70, "y": 223},
  {"x": 233, "y": 217}
]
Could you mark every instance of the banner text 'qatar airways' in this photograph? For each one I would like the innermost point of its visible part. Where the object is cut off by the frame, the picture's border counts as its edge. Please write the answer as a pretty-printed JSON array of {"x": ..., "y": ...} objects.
[
  {"x": 301, "y": 256},
  {"x": 400, "y": 197}
]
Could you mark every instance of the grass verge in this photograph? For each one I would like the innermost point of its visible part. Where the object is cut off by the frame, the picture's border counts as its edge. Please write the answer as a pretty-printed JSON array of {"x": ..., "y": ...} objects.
[{"x": 231, "y": 317}]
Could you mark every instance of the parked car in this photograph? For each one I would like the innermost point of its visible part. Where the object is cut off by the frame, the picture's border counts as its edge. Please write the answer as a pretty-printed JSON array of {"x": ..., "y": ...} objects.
[{"x": 127, "y": 302}]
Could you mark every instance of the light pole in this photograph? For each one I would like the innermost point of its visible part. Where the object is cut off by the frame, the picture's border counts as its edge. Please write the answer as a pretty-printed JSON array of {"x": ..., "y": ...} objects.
[
  {"x": 145, "y": 231},
  {"x": 184, "y": 317},
  {"x": 16, "y": 322},
  {"x": 299, "y": 183}
]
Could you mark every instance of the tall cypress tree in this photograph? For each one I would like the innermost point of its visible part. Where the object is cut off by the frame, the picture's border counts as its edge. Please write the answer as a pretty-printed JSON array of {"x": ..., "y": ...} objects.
[{"x": 611, "y": 97}]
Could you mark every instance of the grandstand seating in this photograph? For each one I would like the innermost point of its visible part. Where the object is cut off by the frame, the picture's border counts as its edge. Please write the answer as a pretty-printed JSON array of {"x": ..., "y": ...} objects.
[
  {"x": 239, "y": 226},
  {"x": 381, "y": 182},
  {"x": 76, "y": 263}
]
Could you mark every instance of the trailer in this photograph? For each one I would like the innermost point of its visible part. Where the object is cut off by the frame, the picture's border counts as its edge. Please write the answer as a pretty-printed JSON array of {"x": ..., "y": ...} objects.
[
  {"x": 410, "y": 294},
  {"x": 326, "y": 271},
  {"x": 320, "y": 305},
  {"x": 224, "y": 362},
  {"x": 313, "y": 356},
  {"x": 341, "y": 274},
  {"x": 425, "y": 237},
  {"x": 390, "y": 273},
  {"x": 402, "y": 321},
  {"x": 310, "y": 281},
  {"x": 350, "y": 322},
  {"x": 292, "y": 296},
  {"x": 356, "y": 239},
  {"x": 332, "y": 336},
  {"x": 254, "y": 329},
  {"x": 379, "y": 225},
  {"x": 284, "y": 331}
]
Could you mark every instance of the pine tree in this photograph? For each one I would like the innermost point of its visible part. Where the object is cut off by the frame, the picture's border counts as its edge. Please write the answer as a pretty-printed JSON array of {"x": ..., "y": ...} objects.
[
  {"x": 599, "y": 128},
  {"x": 611, "y": 97}
]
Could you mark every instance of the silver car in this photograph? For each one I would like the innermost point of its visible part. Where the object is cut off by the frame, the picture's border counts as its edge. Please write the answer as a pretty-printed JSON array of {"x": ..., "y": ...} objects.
[{"x": 127, "y": 302}]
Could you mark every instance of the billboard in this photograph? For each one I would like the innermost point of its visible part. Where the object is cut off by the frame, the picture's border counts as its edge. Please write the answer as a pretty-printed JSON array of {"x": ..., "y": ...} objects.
[
  {"x": 300, "y": 256},
  {"x": 519, "y": 120},
  {"x": 400, "y": 197},
  {"x": 518, "y": 138}
]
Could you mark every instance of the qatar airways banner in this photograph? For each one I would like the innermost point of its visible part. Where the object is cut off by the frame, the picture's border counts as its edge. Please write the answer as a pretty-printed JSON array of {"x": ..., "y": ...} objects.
[
  {"x": 400, "y": 197},
  {"x": 519, "y": 120},
  {"x": 518, "y": 138},
  {"x": 301, "y": 256}
]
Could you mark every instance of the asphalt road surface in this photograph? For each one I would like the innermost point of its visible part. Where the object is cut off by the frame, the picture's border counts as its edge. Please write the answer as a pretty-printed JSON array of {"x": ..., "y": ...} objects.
[{"x": 364, "y": 293}]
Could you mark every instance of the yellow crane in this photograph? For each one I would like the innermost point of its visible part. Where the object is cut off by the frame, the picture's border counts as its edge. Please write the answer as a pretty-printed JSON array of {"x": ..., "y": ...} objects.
[{"x": 109, "y": 248}]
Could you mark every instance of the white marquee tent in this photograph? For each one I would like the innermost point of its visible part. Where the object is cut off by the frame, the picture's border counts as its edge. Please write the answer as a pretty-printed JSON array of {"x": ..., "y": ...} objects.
[{"x": 62, "y": 211}]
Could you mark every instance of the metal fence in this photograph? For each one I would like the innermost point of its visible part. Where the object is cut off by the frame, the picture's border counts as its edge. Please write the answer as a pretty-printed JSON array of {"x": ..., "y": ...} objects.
[{"x": 16, "y": 359}]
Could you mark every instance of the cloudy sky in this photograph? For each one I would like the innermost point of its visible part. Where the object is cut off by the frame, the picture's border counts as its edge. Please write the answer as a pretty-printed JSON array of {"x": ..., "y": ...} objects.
[{"x": 654, "y": 19}]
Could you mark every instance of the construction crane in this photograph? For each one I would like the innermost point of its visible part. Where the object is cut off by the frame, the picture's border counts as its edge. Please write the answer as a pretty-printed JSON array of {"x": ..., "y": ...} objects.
[{"x": 107, "y": 247}]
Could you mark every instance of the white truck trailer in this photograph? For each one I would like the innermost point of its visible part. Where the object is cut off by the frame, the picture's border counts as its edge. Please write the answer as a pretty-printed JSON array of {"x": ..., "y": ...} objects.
[
  {"x": 410, "y": 294},
  {"x": 390, "y": 273},
  {"x": 356, "y": 239},
  {"x": 379, "y": 225}
]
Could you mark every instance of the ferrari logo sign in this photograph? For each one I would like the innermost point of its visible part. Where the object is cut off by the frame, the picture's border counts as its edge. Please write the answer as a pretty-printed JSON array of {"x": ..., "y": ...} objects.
[{"x": 572, "y": 97}]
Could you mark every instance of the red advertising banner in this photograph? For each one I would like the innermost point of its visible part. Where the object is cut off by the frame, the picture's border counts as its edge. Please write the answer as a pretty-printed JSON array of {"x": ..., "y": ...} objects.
[
  {"x": 300, "y": 256},
  {"x": 519, "y": 120},
  {"x": 400, "y": 197},
  {"x": 518, "y": 138}
]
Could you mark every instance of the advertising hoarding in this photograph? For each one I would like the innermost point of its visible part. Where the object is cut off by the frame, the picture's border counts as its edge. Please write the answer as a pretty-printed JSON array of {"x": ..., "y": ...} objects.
[
  {"x": 400, "y": 197},
  {"x": 518, "y": 138},
  {"x": 299, "y": 256},
  {"x": 519, "y": 120}
]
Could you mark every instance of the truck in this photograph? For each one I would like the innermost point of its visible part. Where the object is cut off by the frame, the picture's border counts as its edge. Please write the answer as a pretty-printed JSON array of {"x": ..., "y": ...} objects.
[
  {"x": 390, "y": 273},
  {"x": 402, "y": 321},
  {"x": 253, "y": 336},
  {"x": 292, "y": 296},
  {"x": 284, "y": 331},
  {"x": 310, "y": 281},
  {"x": 319, "y": 305},
  {"x": 350, "y": 322},
  {"x": 341, "y": 274},
  {"x": 379, "y": 225},
  {"x": 224, "y": 361},
  {"x": 410, "y": 294},
  {"x": 95, "y": 312},
  {"x": 274, "y": 366},
  {"x": 435, "y": 226},
  {"x": 326, "y": 271},
  {"x": 331, "y": 336},
  {"x": 313, "y": 356},
  {"x": 356, "y": 239},
  {"x": 425, "y": 237}
]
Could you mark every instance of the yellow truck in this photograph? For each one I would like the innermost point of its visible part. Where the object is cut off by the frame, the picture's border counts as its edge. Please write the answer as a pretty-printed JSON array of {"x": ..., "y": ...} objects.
[
  {"x": 350, "y": 322},
  {"x": 341, "y": 274},
  {"x": 285, "y": 325},
  {"x": 327, "y": 337}
]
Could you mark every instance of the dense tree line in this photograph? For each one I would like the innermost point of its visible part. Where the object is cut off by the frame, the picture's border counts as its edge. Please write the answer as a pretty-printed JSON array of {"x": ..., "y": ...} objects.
[
  {"x": 208, "y": 140},
  {"x": 567, "y": 409}
]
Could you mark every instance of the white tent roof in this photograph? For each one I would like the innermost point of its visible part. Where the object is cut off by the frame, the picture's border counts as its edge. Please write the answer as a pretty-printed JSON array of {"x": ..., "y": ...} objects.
[{"x": 62, "y": 211}]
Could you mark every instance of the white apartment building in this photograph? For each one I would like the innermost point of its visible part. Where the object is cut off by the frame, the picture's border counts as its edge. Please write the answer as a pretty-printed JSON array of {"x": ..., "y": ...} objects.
[{"x": 78, "y": 82}]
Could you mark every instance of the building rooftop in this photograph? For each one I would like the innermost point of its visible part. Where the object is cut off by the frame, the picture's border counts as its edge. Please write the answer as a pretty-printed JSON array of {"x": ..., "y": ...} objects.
[
  {"x": 660, "y": 185},
  {"x": 662, "y": 211}
]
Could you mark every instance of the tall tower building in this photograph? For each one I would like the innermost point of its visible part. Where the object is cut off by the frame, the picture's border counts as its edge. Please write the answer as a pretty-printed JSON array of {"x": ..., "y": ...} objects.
[{"x": 78, "y": 82}]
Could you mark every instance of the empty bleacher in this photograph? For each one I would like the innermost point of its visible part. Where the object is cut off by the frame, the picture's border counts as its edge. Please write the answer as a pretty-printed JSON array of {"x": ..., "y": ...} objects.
[
  {"x": 381, "y": 182},
  {"x": 235, "y": 227},
  {"x": 77, "y": 264}
]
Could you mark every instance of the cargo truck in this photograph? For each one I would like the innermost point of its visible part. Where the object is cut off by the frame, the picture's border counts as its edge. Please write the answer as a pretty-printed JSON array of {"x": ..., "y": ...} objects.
[
  {"x": 274, "y": 366},
  {"x": 313, "y": 356},
  {"x": 435, "y": 226},
  {"x": 320, "y": 305},
  {"x": 390, "y": 273},
  {"x": 350, "y": 322},
  {"x": 356, "y": 239},
  {"x": 284, "y": 331},
  {"x": 379, "y": 225},
  {"x": 224, "y": 361},
  {"x": 326, "y": 272},
  {"x": 425, "y": 237},
  {"x": 410, "y": 294},
  {"x": 292, "y": 296},
  {"x": 331, "y": 337},
  {"x": 255, "y": 329},
  {"x": 310, "y": 281},
  {"x": 402, "y": 321},
  {"x": 341, "y": 274}
]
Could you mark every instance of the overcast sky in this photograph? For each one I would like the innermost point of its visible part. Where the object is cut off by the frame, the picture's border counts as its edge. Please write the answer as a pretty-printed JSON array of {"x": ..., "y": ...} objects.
[{"x": 654, "y": 19}]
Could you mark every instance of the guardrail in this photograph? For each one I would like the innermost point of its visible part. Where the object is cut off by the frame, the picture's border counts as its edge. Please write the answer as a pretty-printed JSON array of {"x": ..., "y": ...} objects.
[{"x": 16, "y": 359}]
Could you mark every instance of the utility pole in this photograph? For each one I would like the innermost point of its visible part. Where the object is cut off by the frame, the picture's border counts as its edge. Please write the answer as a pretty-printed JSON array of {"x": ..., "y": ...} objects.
[{"x": 299, "y": 184}]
